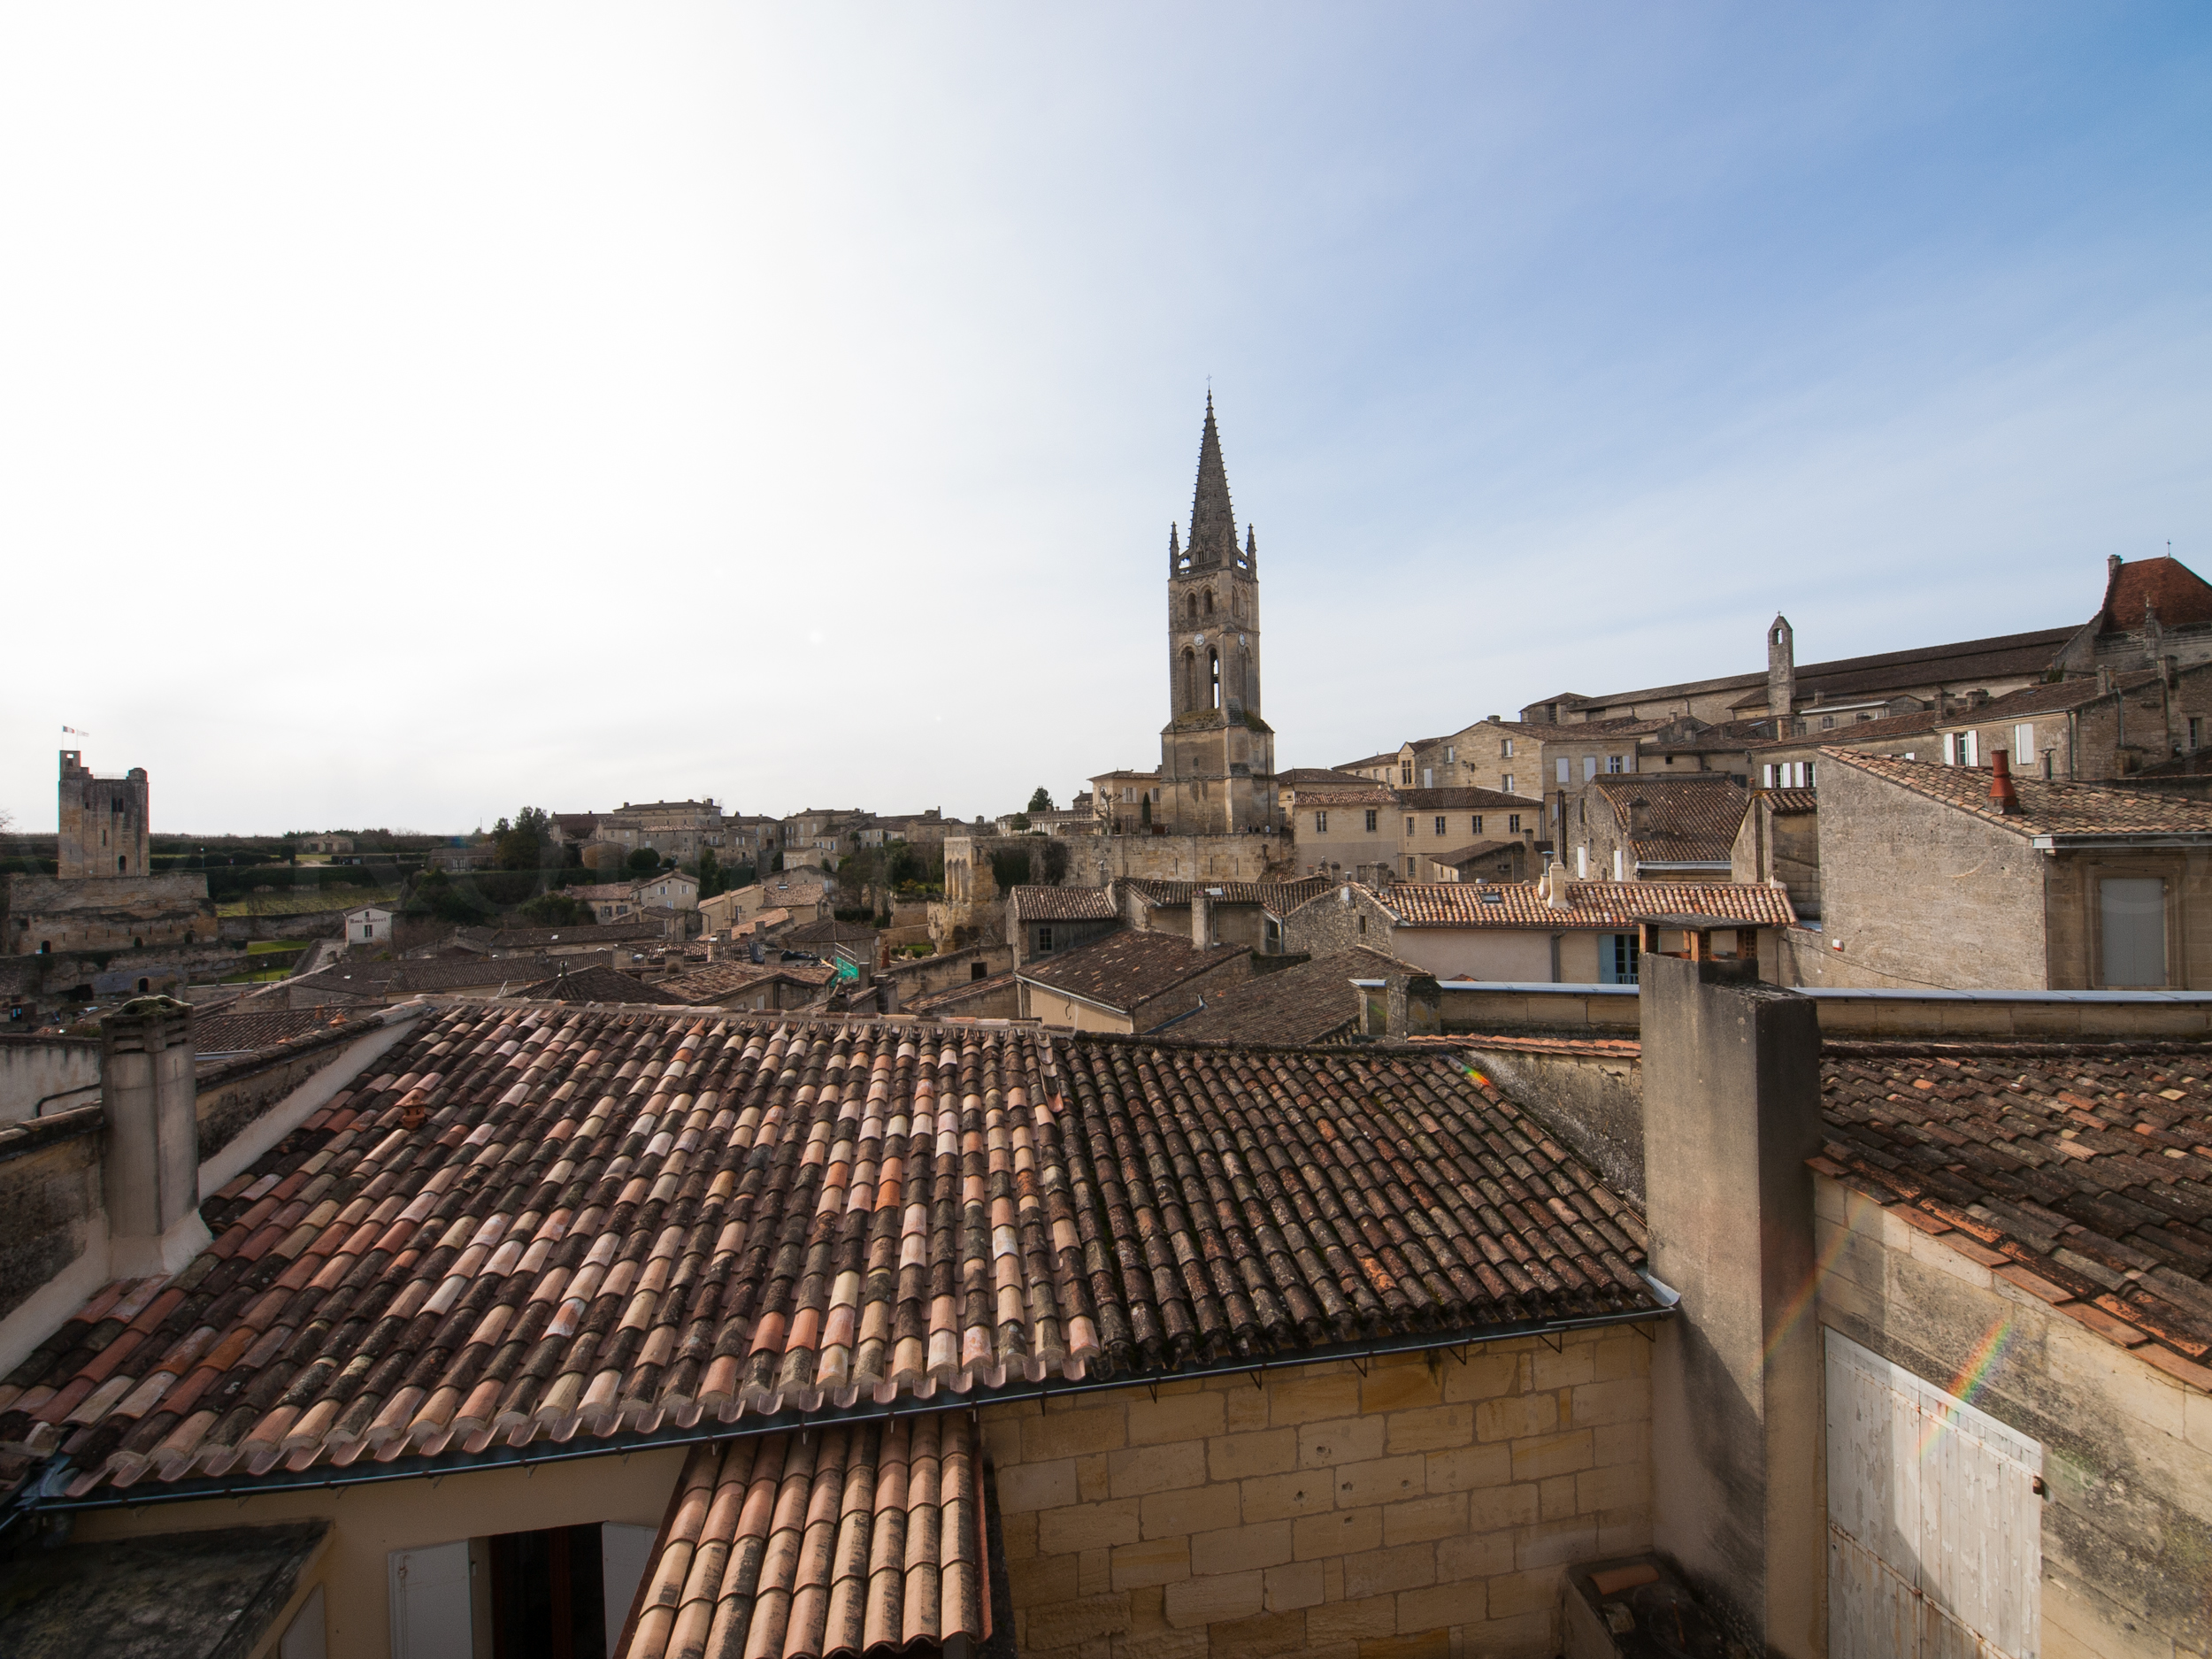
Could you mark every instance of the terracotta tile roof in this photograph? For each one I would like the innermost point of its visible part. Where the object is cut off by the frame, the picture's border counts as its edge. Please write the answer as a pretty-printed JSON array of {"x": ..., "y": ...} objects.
[
  {"x": 2182, "y": 597},
  {"x": 2082, "y": 1174},
  {"x": 249, "y": 1033},
  {"x": 424, "y": 975},
  {"x": 1687, "y": 820},
  {"x": 1388, "y": 757},
  {"x": 1276, "y": 895},
  {"x": 718, "y": 979},
  {"x": 1314, "y": 776},
  {"x": 2045, "y": 808},
  {"x": 1610, "y": 905},
  {"x": 2077, "y": 692},
  {"x": 1897, "y": 726},
  {"x": 1064, "y": 904},
  {"x": 2002, "y": 657},
  {"x": 1462, "y": 800},
  {"x": 605, "y": 890},
  {"x": 1790, "y": 802},
  {"x": 1333, "y": 795},
  {"x": 1126, "y": 968},
  {"x": 597, "y": 985},
  {"x": 1312, "y": 1002},
  {"x": 534, "y": 1222},
  {"x": 829, "y": 930},
  {"x": 851, "y": 1540},
  {"x": 948, "y": 1002},
  {"x": 574, "y": 933}
]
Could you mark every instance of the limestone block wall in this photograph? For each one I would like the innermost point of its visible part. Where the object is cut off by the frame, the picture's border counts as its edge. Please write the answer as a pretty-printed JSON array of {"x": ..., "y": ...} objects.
[
  {"x": 1425, "y": 1509},
  {"x": 2127, "y": 1518},
  {"x": 1177, "y": 858}
]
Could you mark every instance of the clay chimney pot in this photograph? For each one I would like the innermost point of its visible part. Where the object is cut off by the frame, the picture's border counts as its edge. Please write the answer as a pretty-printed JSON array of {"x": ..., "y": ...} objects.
[{"x": 2001, "y": 794}]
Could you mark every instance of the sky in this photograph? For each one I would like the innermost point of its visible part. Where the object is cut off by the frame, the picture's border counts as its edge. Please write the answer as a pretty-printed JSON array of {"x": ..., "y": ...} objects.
[{"x": 411, "y": 412}]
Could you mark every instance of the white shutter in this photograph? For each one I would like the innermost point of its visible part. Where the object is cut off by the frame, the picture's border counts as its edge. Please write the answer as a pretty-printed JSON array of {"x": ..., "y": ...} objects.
[
  {"x": 1972, "y": 744},
  {"x": 2023, "y": 744},
  {"x": 1766, "y": 776},
  {"x": 1950, "y": 749},
  {"x": 624, "y": 1552},
  {"x": 1935, "y": 1542},
  {"x": 430, "y": 1602}
]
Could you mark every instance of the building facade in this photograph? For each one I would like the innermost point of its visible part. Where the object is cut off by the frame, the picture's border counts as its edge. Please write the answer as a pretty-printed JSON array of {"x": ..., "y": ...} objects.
[{"x": 103, "y": 822}]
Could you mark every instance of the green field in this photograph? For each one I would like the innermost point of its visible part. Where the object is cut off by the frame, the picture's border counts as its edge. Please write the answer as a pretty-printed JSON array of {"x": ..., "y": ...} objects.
[
  {"x": 308, "y": 903},
  {"x": 264, "y": 946}
]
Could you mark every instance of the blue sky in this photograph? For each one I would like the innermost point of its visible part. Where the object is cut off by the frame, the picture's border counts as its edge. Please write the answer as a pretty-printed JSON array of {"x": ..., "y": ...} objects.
[{"x": 408, "y": 415}]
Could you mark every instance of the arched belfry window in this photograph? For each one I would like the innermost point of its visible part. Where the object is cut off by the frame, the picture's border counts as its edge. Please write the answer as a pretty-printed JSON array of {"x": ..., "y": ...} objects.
[
  {"x": 1210, "y": 601},
  {"x": 1213, "y": 676},
  {"x": 1189, "y": 682},
  {"x": 1191, "y": 609}
]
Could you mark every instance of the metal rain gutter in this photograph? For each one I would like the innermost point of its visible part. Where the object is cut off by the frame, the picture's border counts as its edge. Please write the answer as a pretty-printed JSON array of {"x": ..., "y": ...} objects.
[{"x": 36, "y": 1496}]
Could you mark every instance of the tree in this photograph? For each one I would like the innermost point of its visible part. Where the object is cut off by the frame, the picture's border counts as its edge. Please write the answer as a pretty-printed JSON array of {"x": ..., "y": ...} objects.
[
  {"x": 1040, "y": 800},
  {"x": 1019, "y": 823},
  {"x": 521, "y": 845},
  {"x": 558, "y": 910},
  {"x": 644, "y": 862},
  {"x": 1144, "y": 809},
  {"x": 712, "y": 879}
]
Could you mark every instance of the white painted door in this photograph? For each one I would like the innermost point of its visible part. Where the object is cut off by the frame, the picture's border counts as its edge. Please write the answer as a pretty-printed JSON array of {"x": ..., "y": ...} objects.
[
  {"x": 430, "y": 1602},
  {"x": 1934, "y": 1526}
]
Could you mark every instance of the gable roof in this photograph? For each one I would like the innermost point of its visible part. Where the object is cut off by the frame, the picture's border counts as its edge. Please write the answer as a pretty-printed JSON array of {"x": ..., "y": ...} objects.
[
  {"x": 250, "y": 1031},
  {"x": 1883, "y": 730},
  {"x": 1611, "y": 905},
  {"x": 946, "y": 1002},
  {"x": 2077, "y": 692},
  {"x": 2082, "y": 1174},
  {"x": 718, "y": 979},
  {"x": 1463, "y": 799},
  {"x": 1789, "y": 803},
  {"x": 2003, "y": 656},
  {"x": 1064, "y": 904},
  {"x": 536, "y": 1222},
  {"x": 1126, "y": 968},
  {"x": 2046, "y": 807},
  {"x": 1692, "y": 819},
  {"x": 1312, "y": 1002},
  {"x": 1313, "y": 777}
]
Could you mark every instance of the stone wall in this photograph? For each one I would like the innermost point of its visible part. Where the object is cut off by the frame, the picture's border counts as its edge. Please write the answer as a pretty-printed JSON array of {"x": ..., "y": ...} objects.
[
  {"x": 940, "y": 972},
  {"x": 1423, "y": 1509},
  {"x": 232, "y": 1099},
  {"x": 1593, "y": 1102},
  {"x": 49, "y": 1196},
  {"x": 1104, "y": 858},
  {"x": 110, "y": 913},
  {"x": 2127, "y": 1519},
  {"x": 32, "y": 1069}
]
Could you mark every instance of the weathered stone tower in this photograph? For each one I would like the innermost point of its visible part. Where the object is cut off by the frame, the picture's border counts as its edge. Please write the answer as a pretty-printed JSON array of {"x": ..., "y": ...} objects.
[
  {"x": 104, "y": 821},
  {"x": 1216, "y": 754},
  {"x": 1781, "y": 673}
]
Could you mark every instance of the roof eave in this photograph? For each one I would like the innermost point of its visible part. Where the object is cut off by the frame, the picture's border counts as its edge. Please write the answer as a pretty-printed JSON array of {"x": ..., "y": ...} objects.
[{"x": 2059, "y": 843}]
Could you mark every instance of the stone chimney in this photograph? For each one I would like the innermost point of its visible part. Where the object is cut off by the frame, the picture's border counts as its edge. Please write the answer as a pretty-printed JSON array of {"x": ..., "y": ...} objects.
[
  {"x": 1639, "y": 816},
  {"x": 1554, "y": 887},
  {"x": 151, "y": 1164},
  {"x": 1201, "y": 918}
]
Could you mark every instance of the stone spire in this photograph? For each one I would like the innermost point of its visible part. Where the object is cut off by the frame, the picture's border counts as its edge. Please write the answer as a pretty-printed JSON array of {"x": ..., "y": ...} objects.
[
  {"x": 1174, "y": 552},
  {"x": 1213, "y": 523}
]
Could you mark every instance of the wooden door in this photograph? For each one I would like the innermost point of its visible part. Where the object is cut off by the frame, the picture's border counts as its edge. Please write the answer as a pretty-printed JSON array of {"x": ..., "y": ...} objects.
[{"x": 1934, "y": 1523}]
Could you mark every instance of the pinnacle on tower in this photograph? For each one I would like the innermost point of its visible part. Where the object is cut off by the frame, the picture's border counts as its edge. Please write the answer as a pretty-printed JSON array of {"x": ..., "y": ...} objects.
[
  {"x": 1213, "y": 523},
  {"x": 1174, "y": 551}
]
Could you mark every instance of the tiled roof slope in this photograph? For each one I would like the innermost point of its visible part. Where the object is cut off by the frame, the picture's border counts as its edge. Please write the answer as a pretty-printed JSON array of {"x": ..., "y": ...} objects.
[
  {"x": 1791, "y": 802},
  {"x": 2002, "y": 657},
  {"x": 2182, "y": 597},
  {"x": 1126, "y": 968},
  {"x": 538, "y": 1221},
  {"x": 597, "y": 985},
  {"x": 1310, "y": 1004},
  {"x": 1333, "y": 795},
  {"x": 441, "y": 973},
  {"x": 948, "y": 1002},
  {"x": 1276, "y": 895},
  {"x": 2065, "y": 694},
  {"x": 718, "y": 980},
  {"x": 248, "y": 1033},
  {"x": 1605, "y": 904},
  {"x": 2084, "y": 1176},
  {"x": 1687, "y": 820},
  {"x": 1064, "y": 904},
  {"x": 574, "y": 933},
  {"x": 1460, "y": 800},
  {"x": 1896, "y": 728},
  {"x": 866, "y": 1539},
  {"x": 1318, "y": 778},
  {"x": 2045, "y": 808},
  {"x": 829, "y": 930}
]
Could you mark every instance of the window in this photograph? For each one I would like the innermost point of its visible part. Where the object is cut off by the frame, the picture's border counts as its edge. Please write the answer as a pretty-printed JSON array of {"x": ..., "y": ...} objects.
[
  {"x": 1589, "y": 767},
  {"x": 1409, "y": 867},
  {"x": 1563, "y": 771},
  {"x": 1617, "y": 958},
  {"x": 1582, "y": 863},
  {"x": 2023, "y": 744},
  {"x": 1408, "y": 826},
  {"x": 1320, "y": 823},
  {"x": 1827, "y": 722},
  {"x": 1616, "y": 864},
  {"x": 1506, "y": 783},
  {"x": 2133, "y": 914},
  {"x": 1370, "y": 820},
  {"x": 1439, "y": 824},
  {"x": 1450, "y": 753},
  {"x": 978, "y": 971},
  {"x": 1428, "y": 777},
  {"x": 1513, "y": 823},
  {"x": 1405, "y": 774},
  {"x": 1477, "y": 821},
  {"x": 1505, "y": 749},
  {"x": 1613, "y": 763},
  {"x": 2196, "y": 734},
  {"x": 1044, "y": 938}
]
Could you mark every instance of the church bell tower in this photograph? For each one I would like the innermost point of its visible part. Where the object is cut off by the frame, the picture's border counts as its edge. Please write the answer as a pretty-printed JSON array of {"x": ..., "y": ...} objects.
[{"x": 1216, "y": 754}]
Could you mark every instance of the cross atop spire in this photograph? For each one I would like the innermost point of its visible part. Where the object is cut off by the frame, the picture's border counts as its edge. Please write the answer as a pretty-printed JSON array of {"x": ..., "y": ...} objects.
[{"x": 1213, "y": 523}]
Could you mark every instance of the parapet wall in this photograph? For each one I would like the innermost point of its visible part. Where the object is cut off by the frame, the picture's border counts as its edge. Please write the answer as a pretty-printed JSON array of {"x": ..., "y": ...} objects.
[{"x": 39, "y": 1068}]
